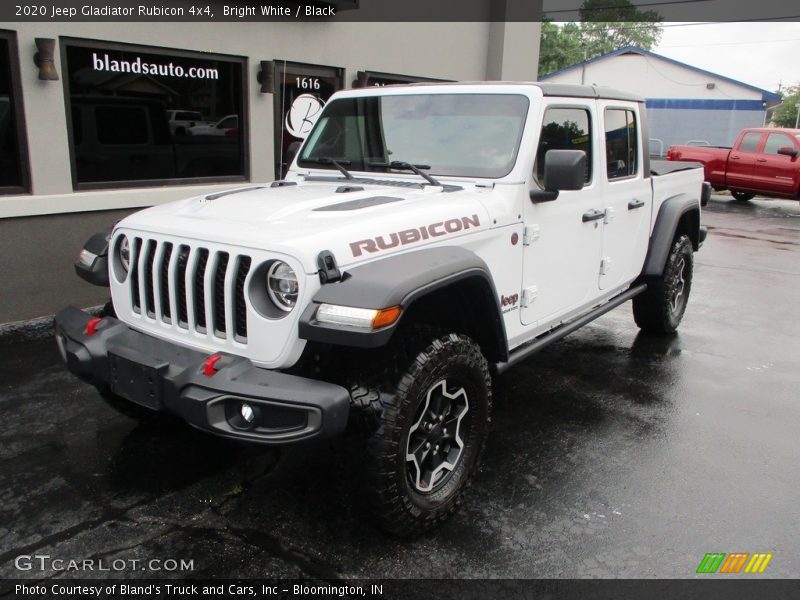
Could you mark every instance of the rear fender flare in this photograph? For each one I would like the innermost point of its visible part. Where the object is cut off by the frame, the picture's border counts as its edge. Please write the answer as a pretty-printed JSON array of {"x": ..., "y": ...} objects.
[{"x": 669, "y": 216}]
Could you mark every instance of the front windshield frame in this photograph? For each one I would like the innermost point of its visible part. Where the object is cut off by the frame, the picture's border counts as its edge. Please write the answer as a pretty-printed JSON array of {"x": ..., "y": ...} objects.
[{"x": 485, "y": 129}]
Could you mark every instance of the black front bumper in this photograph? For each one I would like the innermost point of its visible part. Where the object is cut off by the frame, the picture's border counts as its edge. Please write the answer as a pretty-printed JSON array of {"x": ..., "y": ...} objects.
[{"x": 166, "y": 377}]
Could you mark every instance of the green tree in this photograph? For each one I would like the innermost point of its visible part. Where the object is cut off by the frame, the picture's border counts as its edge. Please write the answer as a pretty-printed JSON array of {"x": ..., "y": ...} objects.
[
  {"x": 560, "y": 46},
  {"x": 605, "y": 26},
  {"x": 786, "y": 114}
]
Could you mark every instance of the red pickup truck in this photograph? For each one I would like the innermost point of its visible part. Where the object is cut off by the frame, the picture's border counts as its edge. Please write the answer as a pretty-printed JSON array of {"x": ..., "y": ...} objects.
[{"x": 763, "y": 162}]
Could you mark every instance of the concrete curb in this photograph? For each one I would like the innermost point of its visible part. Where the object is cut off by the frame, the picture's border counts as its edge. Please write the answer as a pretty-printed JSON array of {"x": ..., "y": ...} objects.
[{"x": 33, "y": 329}]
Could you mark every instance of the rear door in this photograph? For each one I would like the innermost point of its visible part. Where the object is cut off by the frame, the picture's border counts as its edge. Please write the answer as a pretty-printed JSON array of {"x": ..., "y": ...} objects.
[
  {"x": 562, "y": 247},
  {"x": 777, "y": 172},
  {"x": 742, "y": 160},
  {"x": 626, "y": 195}
]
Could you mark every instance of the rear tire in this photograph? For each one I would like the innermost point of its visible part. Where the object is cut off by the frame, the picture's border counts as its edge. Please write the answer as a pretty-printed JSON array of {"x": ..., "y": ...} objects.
[
  {"x": 742, "y": 196},
  {"x": 431, "y": 428},
  {"x": 661, "y": 307}
]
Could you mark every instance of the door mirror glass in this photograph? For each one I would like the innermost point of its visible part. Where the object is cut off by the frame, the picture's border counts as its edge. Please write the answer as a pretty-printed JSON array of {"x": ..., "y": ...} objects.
[{"x": 563, "y": 170}]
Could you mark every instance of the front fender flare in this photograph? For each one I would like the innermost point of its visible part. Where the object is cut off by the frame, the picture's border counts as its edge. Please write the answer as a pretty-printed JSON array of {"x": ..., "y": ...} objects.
[{"x": 399, "y": 280}]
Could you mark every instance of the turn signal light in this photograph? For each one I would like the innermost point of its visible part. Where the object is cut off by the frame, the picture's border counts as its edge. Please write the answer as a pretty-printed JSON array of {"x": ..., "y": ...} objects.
[
  {"x": 363, "y": 318},
  {"x": 386, "y": 317}
]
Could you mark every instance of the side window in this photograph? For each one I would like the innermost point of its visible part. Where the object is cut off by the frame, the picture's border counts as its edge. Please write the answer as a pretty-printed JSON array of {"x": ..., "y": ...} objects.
[
  {"x": 622, "y": 149},
  {"x": 13, "y": 152},
  {"x": 775, "y": 141},
  {"x": 565, "y": 129},
  {"x": 140, "y": 103},
  {"x": 227, "y": 123},
  {"x": 750, "y": 142}
]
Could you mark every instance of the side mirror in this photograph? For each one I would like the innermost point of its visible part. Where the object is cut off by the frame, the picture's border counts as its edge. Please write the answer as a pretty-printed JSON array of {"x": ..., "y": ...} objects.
[
  {"x": 787, "y": 151},
  {"x": 563, "y": 170},
  {"x": 291, "y": 152}
]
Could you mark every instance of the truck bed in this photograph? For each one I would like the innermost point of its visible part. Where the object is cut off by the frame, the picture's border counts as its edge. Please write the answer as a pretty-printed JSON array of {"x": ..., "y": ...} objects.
[{"x": 664, "y": 167}]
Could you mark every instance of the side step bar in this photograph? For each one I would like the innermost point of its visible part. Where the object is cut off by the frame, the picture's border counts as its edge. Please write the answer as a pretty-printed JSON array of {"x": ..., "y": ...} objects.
[{"x": 523, "y": 352}]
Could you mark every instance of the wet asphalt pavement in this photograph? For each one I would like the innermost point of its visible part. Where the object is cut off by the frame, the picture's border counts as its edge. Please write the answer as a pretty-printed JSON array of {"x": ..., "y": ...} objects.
[{"x": 613, "y": 454}]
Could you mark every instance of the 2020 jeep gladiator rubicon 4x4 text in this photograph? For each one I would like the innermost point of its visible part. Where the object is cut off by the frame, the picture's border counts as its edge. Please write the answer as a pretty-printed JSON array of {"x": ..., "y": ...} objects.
[{"x": 425, "y": 238}]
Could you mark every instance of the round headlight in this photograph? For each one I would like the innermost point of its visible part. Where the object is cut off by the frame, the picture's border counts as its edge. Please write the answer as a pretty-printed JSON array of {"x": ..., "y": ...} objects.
[
  {"x": 282, "y": 285},
  {"x": 124, "y": 249}
]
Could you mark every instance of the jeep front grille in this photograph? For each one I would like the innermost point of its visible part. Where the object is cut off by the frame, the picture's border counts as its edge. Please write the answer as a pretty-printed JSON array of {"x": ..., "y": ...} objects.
[{"x": 197, "y": 288}]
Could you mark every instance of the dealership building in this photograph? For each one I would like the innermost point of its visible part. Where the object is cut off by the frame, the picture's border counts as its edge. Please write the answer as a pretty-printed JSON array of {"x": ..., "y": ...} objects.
[{"x": 128, "y": 115}]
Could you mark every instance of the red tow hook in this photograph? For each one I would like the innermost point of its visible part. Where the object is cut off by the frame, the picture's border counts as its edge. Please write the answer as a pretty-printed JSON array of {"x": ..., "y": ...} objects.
[
  {"x": 91, "y": 325},
  {"x": 209, "y": 365}
]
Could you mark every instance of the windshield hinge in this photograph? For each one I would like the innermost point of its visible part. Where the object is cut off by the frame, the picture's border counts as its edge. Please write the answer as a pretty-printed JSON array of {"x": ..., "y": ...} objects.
[
  {"x": 530, "y": 234},
  {"x": 328, "y": 269}
]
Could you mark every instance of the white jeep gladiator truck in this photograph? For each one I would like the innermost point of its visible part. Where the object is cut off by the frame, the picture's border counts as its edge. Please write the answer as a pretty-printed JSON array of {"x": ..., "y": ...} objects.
[{"x": 426, "y": 238}]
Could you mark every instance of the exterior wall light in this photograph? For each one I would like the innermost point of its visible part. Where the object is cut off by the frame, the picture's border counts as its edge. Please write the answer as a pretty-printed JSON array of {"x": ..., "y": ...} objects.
[
  {"x": 44, "y": 59},
  {"x": 266, "y": 78}
]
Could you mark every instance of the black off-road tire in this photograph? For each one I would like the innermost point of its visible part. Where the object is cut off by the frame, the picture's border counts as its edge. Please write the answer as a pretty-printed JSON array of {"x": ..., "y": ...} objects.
[
  {"x": 449, "y": 377},
  {"x": 662, "y": 306},
  {"x": 742, "y": 196}
]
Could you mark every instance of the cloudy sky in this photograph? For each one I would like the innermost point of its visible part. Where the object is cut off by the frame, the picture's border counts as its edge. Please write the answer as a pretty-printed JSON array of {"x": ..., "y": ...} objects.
[{"x": 761, "y": 54}]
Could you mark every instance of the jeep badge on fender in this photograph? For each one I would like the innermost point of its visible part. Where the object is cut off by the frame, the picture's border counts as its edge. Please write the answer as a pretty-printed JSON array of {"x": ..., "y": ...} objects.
[{"x": 375, "y": 286}]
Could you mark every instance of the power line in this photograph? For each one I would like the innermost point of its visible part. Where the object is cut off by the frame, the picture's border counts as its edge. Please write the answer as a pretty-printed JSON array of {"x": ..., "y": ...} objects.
[
  {"x": 635, "y": 6},
  {"x": 729, "y": 43},
  {"x": 648, "y": 24}
]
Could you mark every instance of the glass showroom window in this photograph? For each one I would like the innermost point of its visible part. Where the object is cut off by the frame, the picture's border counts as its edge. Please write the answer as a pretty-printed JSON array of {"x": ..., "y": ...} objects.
[
  {"x": 141, "y": 116},
  {"x": 13, "y": 157}
]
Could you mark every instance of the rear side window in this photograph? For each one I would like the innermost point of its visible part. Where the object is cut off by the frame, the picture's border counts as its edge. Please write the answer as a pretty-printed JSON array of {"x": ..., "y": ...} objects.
[
  {"x": 750, "y": 142},
  {"x": 565, "y": 129},
  {"x": 622, "y": 150}
]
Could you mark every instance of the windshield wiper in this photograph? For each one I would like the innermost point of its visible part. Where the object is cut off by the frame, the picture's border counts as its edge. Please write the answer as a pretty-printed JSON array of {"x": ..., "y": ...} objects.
[
  {"x": 326, "y": 160},
  {"x": 400, "y": 165}
]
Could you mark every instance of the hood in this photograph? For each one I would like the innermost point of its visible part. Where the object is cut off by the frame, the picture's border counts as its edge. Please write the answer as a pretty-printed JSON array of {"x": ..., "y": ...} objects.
[{"x": 304, "y": 219}]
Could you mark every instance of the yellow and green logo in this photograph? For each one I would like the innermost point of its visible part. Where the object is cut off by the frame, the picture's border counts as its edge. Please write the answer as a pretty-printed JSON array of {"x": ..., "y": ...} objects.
[{"x": 733, "y": 563}]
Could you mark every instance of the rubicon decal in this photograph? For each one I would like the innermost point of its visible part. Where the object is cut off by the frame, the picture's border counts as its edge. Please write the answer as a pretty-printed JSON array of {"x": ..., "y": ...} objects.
[
  {"x": 411, "y": 236},
  {"x": 734, "y": 562}
]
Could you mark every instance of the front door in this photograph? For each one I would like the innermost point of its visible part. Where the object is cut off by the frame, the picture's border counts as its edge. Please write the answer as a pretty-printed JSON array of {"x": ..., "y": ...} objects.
[
  {"x": 742, "y": 160},
  {"x": 563, "y": 237},
  {"x": 777, "y": 172}
]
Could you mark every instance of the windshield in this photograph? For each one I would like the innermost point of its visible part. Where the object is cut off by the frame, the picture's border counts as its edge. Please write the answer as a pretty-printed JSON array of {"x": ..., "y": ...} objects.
[{"x": 469, "y": 135}]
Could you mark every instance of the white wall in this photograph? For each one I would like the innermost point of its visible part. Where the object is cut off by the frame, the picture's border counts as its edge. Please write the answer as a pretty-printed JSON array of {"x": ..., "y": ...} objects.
[{"x": 651, "y": 77}]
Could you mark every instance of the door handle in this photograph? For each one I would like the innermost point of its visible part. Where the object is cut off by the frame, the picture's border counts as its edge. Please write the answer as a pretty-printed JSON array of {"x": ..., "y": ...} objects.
[
  {"x": 734, "y": 158},
  {"x": 634, "y": 204},
  {"x": 593, "y": 215},
  {"x": 761, "y": 160}
]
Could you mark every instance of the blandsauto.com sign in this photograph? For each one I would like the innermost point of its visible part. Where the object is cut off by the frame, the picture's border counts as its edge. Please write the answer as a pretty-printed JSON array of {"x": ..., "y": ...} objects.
[{"x": 102, "y": 62}]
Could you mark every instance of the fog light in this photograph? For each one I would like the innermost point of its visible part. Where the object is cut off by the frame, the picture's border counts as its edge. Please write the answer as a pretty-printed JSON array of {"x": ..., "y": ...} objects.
[{"x": 247, "y": 412}]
